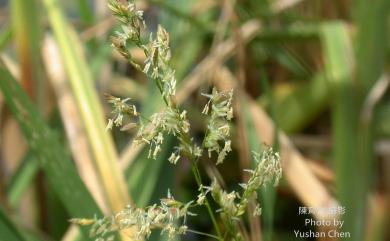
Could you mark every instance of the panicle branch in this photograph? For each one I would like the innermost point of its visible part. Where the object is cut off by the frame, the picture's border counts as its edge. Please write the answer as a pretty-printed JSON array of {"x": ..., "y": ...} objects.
[
  {"x": 218, "y": 130},
  {"x": 233, "y": 205},
  {"x": 169, "y": 216}
]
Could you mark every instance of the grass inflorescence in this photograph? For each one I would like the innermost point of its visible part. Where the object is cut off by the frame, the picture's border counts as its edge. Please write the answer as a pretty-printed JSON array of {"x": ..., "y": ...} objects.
[{"x": 170, "y": 215}]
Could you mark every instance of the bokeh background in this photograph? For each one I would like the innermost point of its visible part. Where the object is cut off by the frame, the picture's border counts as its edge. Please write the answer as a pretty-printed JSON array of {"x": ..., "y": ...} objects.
[{"x": 311, "y": 79}]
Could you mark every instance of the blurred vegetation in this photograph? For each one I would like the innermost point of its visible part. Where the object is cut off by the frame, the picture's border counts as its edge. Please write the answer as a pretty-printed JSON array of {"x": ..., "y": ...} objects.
[{"x": 311, "y": 78}]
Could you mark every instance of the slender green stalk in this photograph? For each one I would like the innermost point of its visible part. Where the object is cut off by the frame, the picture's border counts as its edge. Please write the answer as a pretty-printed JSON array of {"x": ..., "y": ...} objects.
[
  {"x": 195, "y": 171},
  {"x": 204, "y": 234}
]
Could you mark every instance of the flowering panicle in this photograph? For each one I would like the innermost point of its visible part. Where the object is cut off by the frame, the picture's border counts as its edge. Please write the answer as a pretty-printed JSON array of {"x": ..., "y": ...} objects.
[
  {"x": 268, "y": 169},
  {"x": 157, "y": 50},
  {"x": 218, "y": 130},
  {"x": 103, "y": 228},
  {"x": 128, "y": 14},
  {"x": 233, "y": 205},
  {"x": 169, "y": 216},
  {"x": 170, "y": 121},
  {"x": 227, "y": 201},
  {"x": 120, "y": 110},
  {"x": 157, "y": 66},
  {"x": 132, "y": 25}
]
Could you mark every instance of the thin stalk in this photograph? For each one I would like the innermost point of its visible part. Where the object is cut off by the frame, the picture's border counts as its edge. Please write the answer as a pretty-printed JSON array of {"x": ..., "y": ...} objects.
[
  {"x": 195, "y": 171},
  {"x": 204, "y": 234},
  {"x": 160, "y": 88}
]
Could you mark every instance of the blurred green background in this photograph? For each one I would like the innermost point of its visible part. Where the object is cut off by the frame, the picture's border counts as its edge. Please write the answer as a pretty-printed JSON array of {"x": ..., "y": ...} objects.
[{"x": 311, "y": 78}]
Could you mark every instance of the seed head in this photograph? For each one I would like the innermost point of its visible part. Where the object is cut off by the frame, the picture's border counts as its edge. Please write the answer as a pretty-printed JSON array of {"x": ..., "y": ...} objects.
[{"x": 218, "y": 130}]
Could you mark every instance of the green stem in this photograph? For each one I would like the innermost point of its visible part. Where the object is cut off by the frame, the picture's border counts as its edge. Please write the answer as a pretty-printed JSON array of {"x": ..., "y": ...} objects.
[
  {"x": 195, "y": 171},
  {"x": 145, "y": 118},
  {"x": 160, "y": 87},
  {"x": 204, "y": 234}
]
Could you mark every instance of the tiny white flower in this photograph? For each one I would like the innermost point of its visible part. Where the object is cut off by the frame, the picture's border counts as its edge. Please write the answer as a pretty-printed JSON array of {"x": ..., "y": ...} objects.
[
  {"x": 156, "y": 151},
  {"x": 201, "y": 199},
  {"x": 173, "y": 158},
  {"x": 257, "y": 211},
  {"x": 110, "y": 124}
]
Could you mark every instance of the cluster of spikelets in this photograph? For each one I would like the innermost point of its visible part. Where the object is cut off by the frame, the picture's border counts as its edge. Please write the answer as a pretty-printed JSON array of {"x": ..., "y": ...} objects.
[
  {"x": 156, "y": 50},
  {"x": 120, "y": 109},
  {"x": 169, "y": 216},
  {"x": 218, "y": 129},
  {"x": 164, "y": 216},
  {"x": 151, "y": 131},
  {"x": 233, "y": 204},
  {"x": 171, "y": 120}
]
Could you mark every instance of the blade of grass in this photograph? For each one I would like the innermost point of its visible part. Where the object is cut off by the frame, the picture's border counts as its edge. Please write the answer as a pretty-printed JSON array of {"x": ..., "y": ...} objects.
[
  {"x": 353, "y": 131},
  {"x": 142, "y": 188},
  {"x": 294, "y": 32},
  {"x": 204, "y": 27},
  {"x": 27, "y": 30},
  {"x": 21, "y": 180},
  {"x": 56, "y": 217},
  {"x": 27, "y": 35},
  {"x": 11, "y": 65},
  {"x": 86, "y": 14},
  {"x": 303, "y": 104},
  {"x": 61, "y": 174},
  {"x": 349, "y": 180},
  {"x": 383, "y": 125},
  {"x": 372, "y": 39},
  {"x": 91, "y": 111},
  {"x": 143, "y": 175},
  {"x": 70, "y": 115},
  {"x": 288, "y": 59},
  {"x": 7, "y": 229},
  {"x": 5, "y": 36}
]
